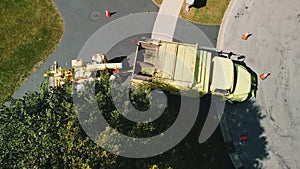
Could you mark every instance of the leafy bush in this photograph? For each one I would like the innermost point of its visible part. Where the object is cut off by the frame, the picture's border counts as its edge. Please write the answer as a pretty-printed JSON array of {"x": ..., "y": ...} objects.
[{"x": 42, "y": 130}]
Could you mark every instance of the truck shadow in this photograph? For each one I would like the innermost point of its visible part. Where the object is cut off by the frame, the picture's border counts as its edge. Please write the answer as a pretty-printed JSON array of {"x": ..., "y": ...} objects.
[
  {"x": 189, "y": 153},
  {"x": 245, "y": 119}
]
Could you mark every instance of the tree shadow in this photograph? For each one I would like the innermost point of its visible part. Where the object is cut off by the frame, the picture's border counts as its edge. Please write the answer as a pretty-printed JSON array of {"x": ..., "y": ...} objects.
[
  {"x": 189, "y": 153},
  {"x": 214, "y": 151},
  {"x": 242, "y": 118},
  {"x": 245, "y": 119},
  {"x": 199, "y": 3}
]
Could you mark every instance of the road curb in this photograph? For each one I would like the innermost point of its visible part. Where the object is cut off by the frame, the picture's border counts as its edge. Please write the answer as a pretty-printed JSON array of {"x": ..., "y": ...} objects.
[{"x": 224, "y": 23}]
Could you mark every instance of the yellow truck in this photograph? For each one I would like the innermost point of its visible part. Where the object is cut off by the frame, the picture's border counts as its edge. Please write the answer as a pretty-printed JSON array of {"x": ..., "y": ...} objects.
[
  {"x": 178, "y": 68},
  {"x": 189, "y": 69}
]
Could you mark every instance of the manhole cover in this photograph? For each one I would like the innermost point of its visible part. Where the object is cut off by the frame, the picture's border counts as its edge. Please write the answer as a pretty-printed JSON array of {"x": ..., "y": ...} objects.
[{"x": 95, "y": 15}]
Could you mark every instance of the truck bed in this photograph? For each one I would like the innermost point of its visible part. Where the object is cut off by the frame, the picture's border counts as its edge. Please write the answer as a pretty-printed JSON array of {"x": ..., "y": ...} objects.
[{"x": 179, "y": 64}]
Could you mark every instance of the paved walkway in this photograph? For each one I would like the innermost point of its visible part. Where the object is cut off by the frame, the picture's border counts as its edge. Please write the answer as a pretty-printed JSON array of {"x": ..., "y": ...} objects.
[
  {"x": 166, "y": 20},
  {"x": 272, "y": 121}
]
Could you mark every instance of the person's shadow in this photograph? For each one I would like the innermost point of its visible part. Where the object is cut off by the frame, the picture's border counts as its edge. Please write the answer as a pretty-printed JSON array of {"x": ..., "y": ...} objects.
[{"x": 199, "y": 3}]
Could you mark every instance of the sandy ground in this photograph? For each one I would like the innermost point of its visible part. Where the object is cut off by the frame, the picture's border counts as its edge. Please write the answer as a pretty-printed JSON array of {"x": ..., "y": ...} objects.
[{"x": 273, "y": 47}]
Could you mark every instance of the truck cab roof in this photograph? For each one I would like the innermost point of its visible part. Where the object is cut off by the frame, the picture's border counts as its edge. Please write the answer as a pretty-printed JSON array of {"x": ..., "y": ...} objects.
[{"x": 223, "y": 74}]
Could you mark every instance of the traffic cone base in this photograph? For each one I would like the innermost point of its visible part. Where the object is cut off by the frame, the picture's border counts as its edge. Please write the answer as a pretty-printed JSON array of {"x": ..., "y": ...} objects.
[
  {"x": 264, "y": 75},
  {"x": 246, "y": 36}
]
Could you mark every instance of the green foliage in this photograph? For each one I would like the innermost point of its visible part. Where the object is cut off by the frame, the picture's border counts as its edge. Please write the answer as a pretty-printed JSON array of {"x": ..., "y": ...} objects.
[{"x": 42, "y": 130}]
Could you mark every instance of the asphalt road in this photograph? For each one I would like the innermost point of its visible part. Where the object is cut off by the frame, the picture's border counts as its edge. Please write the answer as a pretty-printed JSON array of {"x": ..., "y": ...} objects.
[
  {"x": 82, "y": 19},
  {"x": 272, "y": 120},
  {"x": 80, "y": 24}
]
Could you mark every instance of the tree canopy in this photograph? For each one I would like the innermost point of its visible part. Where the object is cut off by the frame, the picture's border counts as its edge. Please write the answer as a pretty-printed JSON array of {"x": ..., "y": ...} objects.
[{"x": 42, "y": 130}]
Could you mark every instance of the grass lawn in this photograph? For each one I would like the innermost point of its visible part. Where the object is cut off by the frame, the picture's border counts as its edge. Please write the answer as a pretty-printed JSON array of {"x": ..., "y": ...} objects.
[
  {"x": 210, "y": 14},
  {"x": 29, "y": 32}
]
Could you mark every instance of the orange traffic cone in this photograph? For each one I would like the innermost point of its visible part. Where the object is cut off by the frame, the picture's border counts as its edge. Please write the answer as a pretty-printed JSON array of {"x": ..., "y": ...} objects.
[
  {"x": 264, "y": 75},
  {"x": 246, "y": 36},
  {"x": 107, "y": 13}
]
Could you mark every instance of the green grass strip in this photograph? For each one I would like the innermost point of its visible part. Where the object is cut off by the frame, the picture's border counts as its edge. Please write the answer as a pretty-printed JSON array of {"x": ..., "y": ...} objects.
[{"x": 29, "y": 33}]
